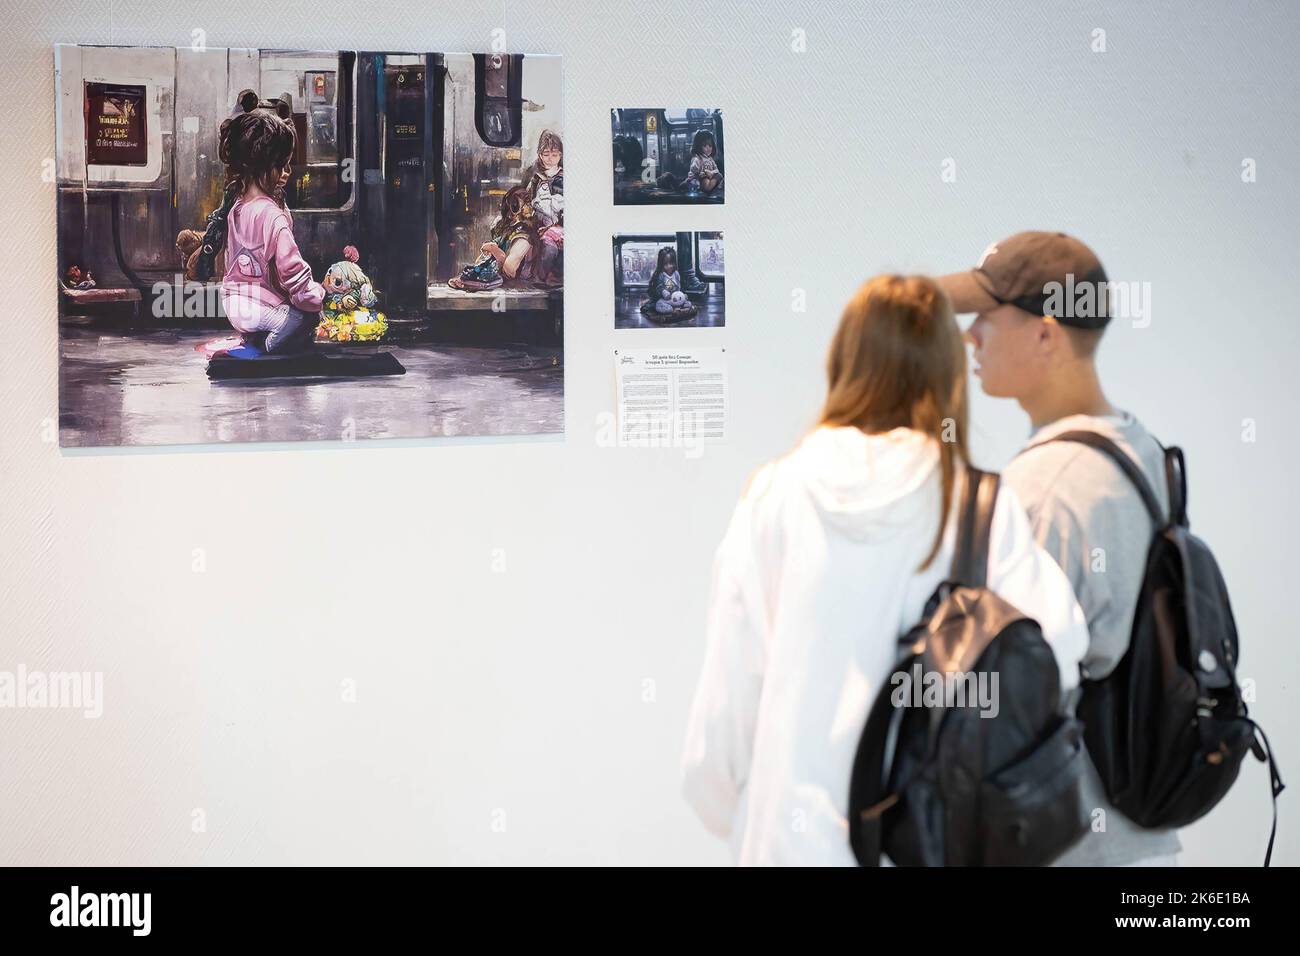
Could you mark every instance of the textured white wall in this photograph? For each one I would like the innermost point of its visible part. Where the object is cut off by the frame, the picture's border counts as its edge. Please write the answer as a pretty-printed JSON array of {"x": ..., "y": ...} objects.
[{"x": 480, "y": 692}]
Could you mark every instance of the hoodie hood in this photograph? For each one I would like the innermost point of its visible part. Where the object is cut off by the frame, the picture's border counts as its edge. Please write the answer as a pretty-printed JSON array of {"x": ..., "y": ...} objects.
[{"x": 870, "y": 487}]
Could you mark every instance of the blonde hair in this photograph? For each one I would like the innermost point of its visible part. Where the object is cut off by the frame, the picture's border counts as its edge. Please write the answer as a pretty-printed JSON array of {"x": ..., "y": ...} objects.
[
  {"x": 350, "y": 271},
  {"x": 898, "y": 360}
]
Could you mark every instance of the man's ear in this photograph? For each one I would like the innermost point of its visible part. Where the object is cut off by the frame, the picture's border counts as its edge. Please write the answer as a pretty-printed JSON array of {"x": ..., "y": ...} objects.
[{"x": 1051, "y": 336}]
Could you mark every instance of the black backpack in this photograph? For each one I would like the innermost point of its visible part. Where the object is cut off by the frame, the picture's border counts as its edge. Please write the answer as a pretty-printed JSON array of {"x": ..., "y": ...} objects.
[
  {"x": 214, "y": 236},
  {"x": 945, "y": 786},
  {"x": 1167, "y": 728}
]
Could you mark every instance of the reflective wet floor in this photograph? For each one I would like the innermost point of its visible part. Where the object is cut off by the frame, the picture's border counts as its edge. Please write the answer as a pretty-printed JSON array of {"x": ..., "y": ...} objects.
[
  {"x": 634, "y": 192},
  {"x": 151, "y": 388},
  {"x": 628, "y": 314}
]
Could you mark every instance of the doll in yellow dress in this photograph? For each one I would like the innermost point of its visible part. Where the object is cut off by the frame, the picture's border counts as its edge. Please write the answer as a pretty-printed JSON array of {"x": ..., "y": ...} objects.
[{"x": 350, "y": 313}]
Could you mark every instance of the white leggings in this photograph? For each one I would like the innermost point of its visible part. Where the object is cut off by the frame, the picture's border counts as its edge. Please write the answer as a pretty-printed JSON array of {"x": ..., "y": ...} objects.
[{"x": 282, "y": 327}]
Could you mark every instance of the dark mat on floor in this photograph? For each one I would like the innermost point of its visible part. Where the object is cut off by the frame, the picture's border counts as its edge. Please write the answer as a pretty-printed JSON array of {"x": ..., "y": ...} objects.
[{"x": 310, "y": 364}]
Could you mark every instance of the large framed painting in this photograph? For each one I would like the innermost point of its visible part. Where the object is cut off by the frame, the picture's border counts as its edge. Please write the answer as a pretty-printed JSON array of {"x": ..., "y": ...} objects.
[{"x": 300, "y": 245}]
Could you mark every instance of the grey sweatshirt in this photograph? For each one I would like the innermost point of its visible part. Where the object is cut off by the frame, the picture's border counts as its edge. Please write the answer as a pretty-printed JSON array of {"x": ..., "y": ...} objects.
[{"x": 1087, "y": 515}]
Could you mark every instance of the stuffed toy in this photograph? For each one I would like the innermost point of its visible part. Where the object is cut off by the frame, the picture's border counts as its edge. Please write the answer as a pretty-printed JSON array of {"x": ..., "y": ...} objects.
[
  {"x": 668, "y": 302},
  {"x": 74, "y": 278},
  {"x": 189, "y": 242},
  {"x": 349, "y": 313}
]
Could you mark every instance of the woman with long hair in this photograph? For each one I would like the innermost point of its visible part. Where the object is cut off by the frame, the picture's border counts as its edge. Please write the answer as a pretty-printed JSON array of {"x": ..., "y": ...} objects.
[{"x": 829, "y": 559}]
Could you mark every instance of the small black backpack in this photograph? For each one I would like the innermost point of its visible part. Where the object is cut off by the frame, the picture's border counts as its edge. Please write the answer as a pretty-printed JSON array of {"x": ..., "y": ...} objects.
[
  {"x": 944, "y": 785},
  {"x": 1168, "y": 728},
  {"x": 214, "y": 235}
]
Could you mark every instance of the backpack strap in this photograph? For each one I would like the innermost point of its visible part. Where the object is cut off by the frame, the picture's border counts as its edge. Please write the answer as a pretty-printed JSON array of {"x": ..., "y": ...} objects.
[
  {"x": 869, "y": 797},
  {"x": 1261, "y": 749},
  {"x": 1126, "y": 464},
  {"x": 214, "y": 236},
  {"x": 1176, "y": 478},
  {"x": 970, "y": 561}
]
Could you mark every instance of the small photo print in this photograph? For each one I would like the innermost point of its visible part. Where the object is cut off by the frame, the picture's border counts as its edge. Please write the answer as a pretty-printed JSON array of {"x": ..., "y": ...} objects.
[
  {"x": 669, "y": 279},
  {"x": 667, "y": 157}
]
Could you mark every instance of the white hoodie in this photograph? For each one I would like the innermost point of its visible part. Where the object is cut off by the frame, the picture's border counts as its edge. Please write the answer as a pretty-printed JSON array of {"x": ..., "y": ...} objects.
[{"x": 813, "y": 585}]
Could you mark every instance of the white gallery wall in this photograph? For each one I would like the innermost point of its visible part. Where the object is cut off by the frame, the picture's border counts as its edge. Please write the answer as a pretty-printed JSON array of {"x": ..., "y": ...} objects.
[{"x": 522, "y": 673}]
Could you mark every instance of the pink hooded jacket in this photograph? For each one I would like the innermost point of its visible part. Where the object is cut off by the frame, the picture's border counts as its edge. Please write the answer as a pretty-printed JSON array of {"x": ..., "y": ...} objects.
[{"x": 264, "y": 268}]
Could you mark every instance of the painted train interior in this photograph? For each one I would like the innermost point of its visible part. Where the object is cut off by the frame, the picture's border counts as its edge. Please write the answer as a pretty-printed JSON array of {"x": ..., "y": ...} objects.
[
  {"x": 658, "y": 142},
  {"x": 700, "y": 260},
  {"x": 699, "y": 257},
  {"x": 405, "y": 156}
]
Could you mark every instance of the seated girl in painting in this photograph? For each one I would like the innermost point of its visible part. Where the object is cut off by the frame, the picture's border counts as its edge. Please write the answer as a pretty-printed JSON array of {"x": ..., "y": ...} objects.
[
  {"x": 667, "y": 302},
  {"x": 545, "y": 185},
  {"x": 704, "y": 175},
  {"x": 507, "y": 253},
  {"x": 268, "y": 292}
]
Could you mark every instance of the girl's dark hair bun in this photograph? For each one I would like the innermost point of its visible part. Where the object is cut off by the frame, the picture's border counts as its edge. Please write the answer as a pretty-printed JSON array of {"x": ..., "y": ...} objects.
[
  {"x": 248, "y": 100},
  {"x": 259, "y": 138}
]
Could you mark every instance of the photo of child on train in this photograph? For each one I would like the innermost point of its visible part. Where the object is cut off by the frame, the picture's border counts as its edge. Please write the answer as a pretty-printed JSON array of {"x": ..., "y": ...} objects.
[
  {"x": 356, "y": 244},
  {"x": 669, "y": 280},
  {"x": 667, "y": 157}
]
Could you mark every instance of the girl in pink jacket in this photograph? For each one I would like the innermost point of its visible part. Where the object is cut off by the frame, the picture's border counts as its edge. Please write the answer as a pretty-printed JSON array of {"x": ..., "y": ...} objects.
[{"x": 268, "y": 287}]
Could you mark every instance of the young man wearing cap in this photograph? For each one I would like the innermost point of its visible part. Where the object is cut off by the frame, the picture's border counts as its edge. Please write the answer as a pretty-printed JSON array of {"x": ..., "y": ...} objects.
[{"x": 1041, "y": 307}]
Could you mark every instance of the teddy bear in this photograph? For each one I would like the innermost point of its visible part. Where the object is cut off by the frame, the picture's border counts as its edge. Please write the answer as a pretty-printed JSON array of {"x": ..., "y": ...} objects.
[{"x": 188, "y": 243}]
